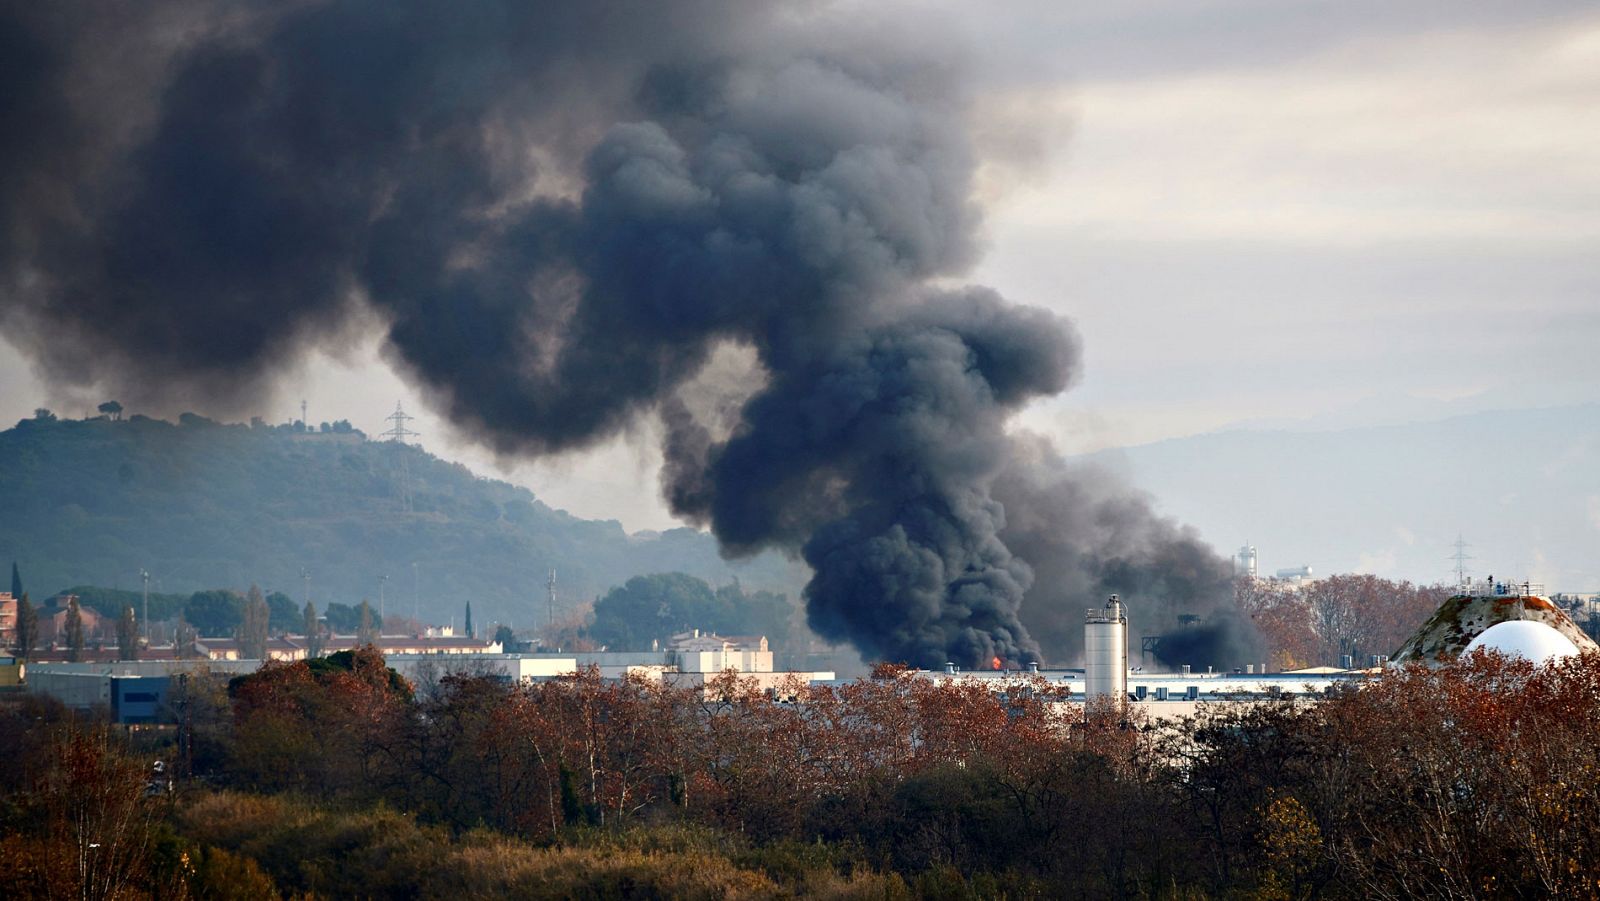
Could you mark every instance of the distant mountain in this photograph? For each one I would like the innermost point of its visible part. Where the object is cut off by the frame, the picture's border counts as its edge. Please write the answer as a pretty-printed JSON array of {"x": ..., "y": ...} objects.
[
  {"x": 203, "y": 505},
  {"x": 1522, "y": 487}
]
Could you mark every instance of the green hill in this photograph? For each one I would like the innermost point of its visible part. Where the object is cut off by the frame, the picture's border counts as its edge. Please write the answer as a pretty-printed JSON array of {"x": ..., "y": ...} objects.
[{"x": 202, "y": 504}]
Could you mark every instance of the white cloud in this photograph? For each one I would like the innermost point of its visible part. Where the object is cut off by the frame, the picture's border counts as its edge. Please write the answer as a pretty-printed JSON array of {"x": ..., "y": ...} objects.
[{"x": 1457, "y": 137}]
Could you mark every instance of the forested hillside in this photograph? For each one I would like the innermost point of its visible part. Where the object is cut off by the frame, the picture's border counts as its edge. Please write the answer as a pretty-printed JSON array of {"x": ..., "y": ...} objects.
[{"x": 202, "y": 504}]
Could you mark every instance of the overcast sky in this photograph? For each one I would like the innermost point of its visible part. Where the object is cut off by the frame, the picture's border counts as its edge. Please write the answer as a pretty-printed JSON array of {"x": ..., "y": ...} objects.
[{"x": 1256, "y": 212}]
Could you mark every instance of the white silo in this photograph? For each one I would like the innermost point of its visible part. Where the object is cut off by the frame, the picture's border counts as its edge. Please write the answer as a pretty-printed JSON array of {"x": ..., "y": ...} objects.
[{"x": 1105, "y": 651}]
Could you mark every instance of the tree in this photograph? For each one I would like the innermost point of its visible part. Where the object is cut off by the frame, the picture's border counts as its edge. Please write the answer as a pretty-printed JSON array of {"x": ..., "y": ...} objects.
[
  {"x": 127, "y": 635},
  {"x": 27, "y": 627},
  {"x": 253, "y": 629},
  {"x": 504, "y": 637},
  {"x": 215, "y": 613},
  {"x": 365, "y": 632},
  {"x": 43, "y": 414},
  {"x": 468, "y": 624},
  {"x": 754, "y": 613},
  {"x": 16, "y": 581},
  {"x": 112, "y": 409},
  {"x": 285, "y": 613},
  {"x": 183, "y": 639},
  {"x": 313, "y": 630},
  {"x": 74, "y": 631},
  {"x": 342, "y": 618}
]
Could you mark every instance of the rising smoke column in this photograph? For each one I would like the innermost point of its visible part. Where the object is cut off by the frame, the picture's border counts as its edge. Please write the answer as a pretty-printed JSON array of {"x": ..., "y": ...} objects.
[
  {"x": 559, "y": 213},
  {"x": 1089, "y": 535}
]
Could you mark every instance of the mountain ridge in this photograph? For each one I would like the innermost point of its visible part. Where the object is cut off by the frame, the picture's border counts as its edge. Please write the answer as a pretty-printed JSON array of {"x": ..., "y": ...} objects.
[{"x": 204, "y": 504}]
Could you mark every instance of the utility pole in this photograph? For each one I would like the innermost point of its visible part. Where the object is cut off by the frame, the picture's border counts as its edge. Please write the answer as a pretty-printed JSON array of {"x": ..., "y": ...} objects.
[
  {"x": 144, "y": 576},
  {"x": 416, "y": 620}
]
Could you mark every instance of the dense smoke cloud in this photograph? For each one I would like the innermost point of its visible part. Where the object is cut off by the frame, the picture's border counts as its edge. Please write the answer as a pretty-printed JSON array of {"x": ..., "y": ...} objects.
[
  {"x": 1088, "y": 535},
  {"x": 560, "y": 212}
]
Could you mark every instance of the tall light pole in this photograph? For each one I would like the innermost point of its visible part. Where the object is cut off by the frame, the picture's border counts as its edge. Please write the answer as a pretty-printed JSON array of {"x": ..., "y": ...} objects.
[{"x": 144, "y": 576}]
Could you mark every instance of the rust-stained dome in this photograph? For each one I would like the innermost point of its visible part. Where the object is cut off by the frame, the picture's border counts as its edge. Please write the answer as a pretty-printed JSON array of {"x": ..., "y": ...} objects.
[{"x": 1464, "y": 617}]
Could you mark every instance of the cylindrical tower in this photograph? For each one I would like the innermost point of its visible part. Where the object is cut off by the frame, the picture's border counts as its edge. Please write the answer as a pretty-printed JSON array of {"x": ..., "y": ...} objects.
[{"x": 1105, "y": 651}]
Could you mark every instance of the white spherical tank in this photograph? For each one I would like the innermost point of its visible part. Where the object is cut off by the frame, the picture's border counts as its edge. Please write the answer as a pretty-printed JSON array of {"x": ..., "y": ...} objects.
[
  {"x": 1105, "y": 651},
  {"x": 1528, "y": 639}
]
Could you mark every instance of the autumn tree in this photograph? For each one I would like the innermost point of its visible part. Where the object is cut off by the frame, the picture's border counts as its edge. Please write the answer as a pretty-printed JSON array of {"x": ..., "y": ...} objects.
[
  {"x": 86, "y": 828},
  {"x": 331, "y": 723}
]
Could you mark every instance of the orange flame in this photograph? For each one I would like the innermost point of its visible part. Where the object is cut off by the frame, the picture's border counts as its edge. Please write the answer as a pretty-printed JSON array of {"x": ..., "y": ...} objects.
[{"x": 996, "y": 663}]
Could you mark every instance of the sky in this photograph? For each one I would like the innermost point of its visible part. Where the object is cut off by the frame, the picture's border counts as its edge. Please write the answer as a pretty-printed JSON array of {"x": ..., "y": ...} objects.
[{"x": 1300, "y": 215}]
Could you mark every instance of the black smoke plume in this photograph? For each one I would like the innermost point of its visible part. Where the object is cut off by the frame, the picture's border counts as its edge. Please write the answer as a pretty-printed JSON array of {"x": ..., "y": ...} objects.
[
  {"x": 1088, "y": 535},
  {"x": 560, "y": 212}
]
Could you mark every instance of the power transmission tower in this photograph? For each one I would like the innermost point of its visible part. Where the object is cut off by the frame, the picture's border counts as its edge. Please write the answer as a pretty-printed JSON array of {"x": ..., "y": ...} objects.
[
  {"x": 401, "y": 434},
  {"x": 1461, "y": 557}
]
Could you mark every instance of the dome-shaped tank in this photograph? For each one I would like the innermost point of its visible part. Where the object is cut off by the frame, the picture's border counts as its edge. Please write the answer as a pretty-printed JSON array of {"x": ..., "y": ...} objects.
[{"x": 1528, "y": 639}]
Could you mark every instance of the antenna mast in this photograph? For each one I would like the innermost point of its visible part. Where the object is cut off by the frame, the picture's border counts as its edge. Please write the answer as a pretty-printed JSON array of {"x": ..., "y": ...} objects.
[{"x": 1461, "y": 557}]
